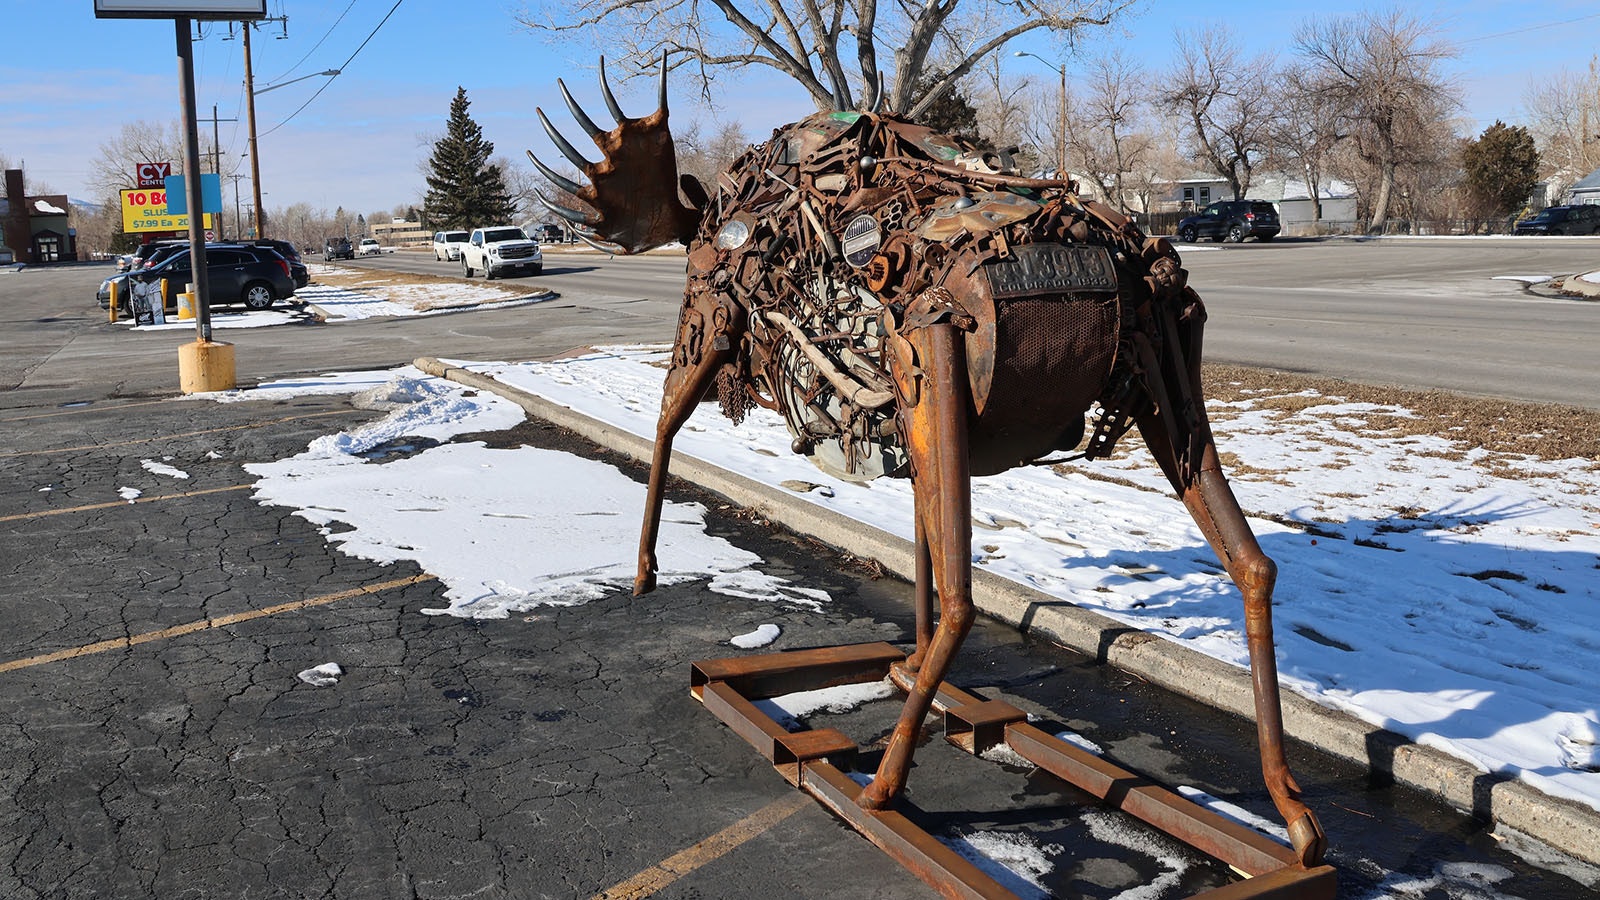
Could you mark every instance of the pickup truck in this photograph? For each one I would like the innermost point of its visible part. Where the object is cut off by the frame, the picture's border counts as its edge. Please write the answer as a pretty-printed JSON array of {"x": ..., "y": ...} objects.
[{"x": 503, "y": 248}]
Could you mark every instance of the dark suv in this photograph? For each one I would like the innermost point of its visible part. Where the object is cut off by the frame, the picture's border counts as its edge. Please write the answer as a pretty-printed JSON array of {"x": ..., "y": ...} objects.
[
  {"x": 254, "y": 276},
  {"x": 1232, "y": 220},
  {"x": 1563, "y": 220},
  {"x": 338, "y": 248}
]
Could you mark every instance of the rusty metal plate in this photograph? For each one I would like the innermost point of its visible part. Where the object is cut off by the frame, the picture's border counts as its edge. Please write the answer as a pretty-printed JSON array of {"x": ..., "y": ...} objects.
[{"x": 1045, "y": 268}]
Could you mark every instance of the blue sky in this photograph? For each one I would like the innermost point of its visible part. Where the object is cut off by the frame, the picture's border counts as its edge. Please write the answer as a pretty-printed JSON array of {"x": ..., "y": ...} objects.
[{"x": 360, "y": 144}]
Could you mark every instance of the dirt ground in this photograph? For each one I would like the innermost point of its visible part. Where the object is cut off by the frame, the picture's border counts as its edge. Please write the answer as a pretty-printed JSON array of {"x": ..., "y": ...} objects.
[{"x": 1544, "y": 430}]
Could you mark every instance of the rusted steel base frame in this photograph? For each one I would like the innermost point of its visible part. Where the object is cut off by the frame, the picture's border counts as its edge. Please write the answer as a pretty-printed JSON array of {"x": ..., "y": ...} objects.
[{"x": 812, "y": 760}]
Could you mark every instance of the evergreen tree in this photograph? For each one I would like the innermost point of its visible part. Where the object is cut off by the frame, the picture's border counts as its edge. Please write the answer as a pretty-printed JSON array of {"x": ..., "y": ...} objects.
[
  {"x": 951, "y": 112},
  {"x": 1502, "y": 167},
  {"x": 464, "y": 190}
]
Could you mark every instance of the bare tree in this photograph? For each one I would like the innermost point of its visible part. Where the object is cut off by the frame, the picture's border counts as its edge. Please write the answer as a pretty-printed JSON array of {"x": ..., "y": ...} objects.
[
  {"x": 1225, "y": 103},
  {"x": 1305, "y": 131},
  {"x": 707, "y": 157},
  {"x": 1000, "y": 103},
  {"x": 832, "y": 48},
  {"x": 1564, "y": 119},
  {"x": 1106, "y": 140},
  {"x": 1381, "y": 70}
]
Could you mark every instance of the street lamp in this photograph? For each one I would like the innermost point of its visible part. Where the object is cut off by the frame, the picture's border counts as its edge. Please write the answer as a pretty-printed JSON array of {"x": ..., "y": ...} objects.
[
  {"x": 272, "y": 87},
  {"x": 250, "y": 103},
  {"x": 1061, "y": 124}
]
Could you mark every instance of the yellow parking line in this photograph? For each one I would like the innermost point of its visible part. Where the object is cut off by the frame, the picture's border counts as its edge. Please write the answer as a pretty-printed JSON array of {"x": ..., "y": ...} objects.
[
  {"x": 205, "y": 624},
  {"x": 82, "y": 409},
  {"x": 183, "y": 434},
  {"x": 18, "y": 517},
  {"x": 682, "y": 863}
]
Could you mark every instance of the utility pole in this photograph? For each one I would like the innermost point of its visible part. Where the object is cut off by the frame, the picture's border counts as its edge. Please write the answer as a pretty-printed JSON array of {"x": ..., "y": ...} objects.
[
  {"x": 238, "y": 224},
  {"x": 216, "y": 140},
  {"x": 250, "y": 107}
]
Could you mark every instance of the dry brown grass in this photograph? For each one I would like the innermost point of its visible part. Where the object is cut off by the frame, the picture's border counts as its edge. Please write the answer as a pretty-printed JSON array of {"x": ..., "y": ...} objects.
[
  {"x": 1545, "y": 430},
  {"x": 363, "y": 279}
]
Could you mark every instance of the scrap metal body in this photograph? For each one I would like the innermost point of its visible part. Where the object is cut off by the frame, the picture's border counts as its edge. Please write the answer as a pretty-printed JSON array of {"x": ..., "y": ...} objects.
[{"x": 915, "y": 309}]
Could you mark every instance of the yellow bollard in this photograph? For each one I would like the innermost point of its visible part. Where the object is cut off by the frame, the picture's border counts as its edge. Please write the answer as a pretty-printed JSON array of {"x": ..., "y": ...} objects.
[
  {"x": 186, "y": 303},
  {"x": 206, "y": 366},
  {"x": 113, "y": 301}
]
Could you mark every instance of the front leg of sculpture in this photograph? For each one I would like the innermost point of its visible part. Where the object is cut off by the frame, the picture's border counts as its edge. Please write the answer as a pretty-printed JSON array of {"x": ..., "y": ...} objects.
[
  {"x": 707, "y": 336},
  {"x": 1179, "y": 437},
  {"x": 937, "y": 443}
]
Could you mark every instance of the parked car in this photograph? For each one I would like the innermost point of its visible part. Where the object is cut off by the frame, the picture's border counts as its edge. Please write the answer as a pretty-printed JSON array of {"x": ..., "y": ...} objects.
[
  {"x": 495, "y": 251},
  {"x": 287, "y": 250},
  {"x": 550, "y": 234},
  {"x": 338, "y": 248},
  {"x": 369, "y": 247},
  {"x": 136, "y": 259},
  {"x": 447, "y": 245},
  {"x": 256, "y": 277},
  {"x": 1563, "y": 220},
  {"x": 104, "y": 294},
  {"x": 1232, "y": 220}
]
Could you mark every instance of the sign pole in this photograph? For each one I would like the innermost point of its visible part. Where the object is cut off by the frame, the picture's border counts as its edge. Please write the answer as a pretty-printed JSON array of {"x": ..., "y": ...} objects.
[
  {"x": 191, "y": 184},
  {"x": 202, "y": 365}
]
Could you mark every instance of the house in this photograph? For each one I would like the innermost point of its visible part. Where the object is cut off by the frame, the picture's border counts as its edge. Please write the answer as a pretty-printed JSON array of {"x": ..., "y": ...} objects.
[
  {"x": 1586, "y": 190},
  {"x": 35, "y": 229},
  {"x": 1296, "y": 211}
]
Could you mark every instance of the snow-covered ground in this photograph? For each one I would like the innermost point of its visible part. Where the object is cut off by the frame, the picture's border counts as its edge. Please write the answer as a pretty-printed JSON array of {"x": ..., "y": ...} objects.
[
  {"x": 1447, "y": 594},
  {"x": 382, "y": 298}
]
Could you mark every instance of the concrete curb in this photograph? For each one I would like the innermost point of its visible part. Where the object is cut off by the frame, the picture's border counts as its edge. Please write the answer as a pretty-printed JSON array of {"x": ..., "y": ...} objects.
[{"x": 1569, "y": 827}]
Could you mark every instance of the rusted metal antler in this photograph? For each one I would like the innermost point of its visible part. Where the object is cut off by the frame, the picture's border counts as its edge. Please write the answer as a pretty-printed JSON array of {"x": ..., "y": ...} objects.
[{"x": 633, "y": 188}]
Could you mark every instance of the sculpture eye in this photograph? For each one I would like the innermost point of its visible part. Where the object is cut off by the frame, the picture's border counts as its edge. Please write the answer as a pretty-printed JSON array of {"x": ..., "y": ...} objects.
[
  {"x": 861, "y": 239},
  {"x": 732, "y": 235}
]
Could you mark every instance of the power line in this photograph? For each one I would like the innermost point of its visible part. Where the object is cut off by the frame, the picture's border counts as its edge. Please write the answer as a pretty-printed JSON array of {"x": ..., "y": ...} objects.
[
  {"x": 334, "y": 78},
  {"x": 1490, "y": 37},
  {"x": 316, "y": 45}
]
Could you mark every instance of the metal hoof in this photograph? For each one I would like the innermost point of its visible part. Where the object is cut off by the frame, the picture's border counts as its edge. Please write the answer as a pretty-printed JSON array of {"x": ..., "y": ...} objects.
[{"x": 1306, "y": 835}]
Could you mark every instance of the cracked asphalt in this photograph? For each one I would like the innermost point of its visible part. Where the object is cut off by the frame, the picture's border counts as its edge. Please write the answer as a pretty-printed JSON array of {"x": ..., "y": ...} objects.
[{"x": 157, "y": 742}]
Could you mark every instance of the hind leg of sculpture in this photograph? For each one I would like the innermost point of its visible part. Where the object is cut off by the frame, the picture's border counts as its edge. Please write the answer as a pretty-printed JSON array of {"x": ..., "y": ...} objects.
[
  {"x": 937, "y": 443},
  {"x": 685, "y": 385},
  {"x": 1216, "y": 511},
  {"x": 922, "y": 599}
]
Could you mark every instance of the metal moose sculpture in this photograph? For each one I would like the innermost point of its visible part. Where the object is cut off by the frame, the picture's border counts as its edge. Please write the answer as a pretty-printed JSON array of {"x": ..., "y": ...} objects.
[{"x": 914, "y": 308}]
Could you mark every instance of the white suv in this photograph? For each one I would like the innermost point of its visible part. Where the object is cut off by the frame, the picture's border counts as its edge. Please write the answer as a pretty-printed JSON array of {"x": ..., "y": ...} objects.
[
  {"x": 503, "y": 248},
  {"x": 447, "y": 245}
]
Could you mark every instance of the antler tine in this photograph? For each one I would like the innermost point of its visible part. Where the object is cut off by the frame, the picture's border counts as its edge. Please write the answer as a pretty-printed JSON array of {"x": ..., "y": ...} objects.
[
  {"x": 571, "y": 215},
  {"x": 602, "y": 246},
  {"x": 663, "y": 103},
  {"x": 611, "y": 100},
  {"x": 584, "y": 122},
  {"x": 877, "y": 101},
  {"x": 559, "y": 180},
  {"x": 566, "y": 148}
]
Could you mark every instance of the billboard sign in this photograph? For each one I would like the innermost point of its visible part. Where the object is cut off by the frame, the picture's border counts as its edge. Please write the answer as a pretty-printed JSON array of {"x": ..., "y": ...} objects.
[
  {"x": 180, "y": 9},
  {"x": 146, "y": 210},
  {"x": 152, "y": 175}
]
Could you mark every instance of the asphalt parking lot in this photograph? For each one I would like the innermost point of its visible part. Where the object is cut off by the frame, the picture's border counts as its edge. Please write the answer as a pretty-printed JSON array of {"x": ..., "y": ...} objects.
[{"x": 160, "y": 741}]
